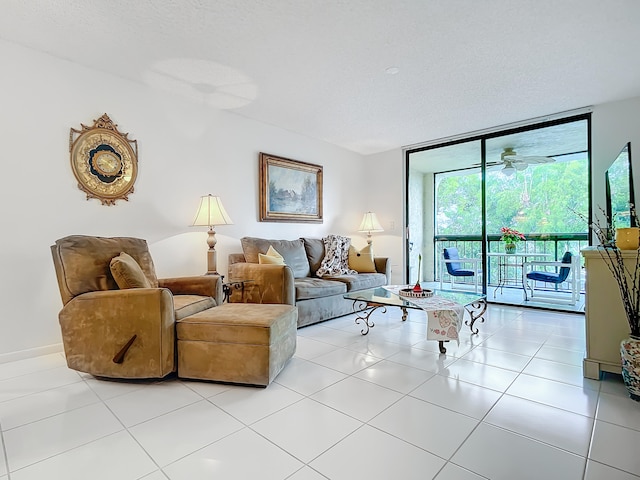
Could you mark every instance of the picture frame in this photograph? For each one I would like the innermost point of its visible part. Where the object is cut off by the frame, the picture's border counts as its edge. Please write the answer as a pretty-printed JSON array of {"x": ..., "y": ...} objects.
[{"x": 289, "y": 190}]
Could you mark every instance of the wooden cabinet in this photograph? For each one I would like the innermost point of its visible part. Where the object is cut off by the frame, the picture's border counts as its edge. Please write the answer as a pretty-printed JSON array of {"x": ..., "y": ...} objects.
[{"x": 606, "y": 322}]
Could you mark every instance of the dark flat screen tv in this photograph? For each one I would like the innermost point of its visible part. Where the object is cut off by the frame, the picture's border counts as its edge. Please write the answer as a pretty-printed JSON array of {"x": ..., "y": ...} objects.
[{"x": 619, "y": 190}]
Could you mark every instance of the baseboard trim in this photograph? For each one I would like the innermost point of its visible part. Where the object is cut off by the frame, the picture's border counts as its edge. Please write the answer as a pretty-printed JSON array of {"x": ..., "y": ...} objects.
[{"x": 30, "y": 353}]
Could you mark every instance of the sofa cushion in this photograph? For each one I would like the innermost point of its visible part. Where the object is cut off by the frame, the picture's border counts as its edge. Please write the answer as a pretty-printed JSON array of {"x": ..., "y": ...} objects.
[
  {"x": 310, "y": 287},
  {"x": 293, "y": 252},
  {"x": 127, "y": 273},
  {"x": 186, "y": 305},
  {"x": 272, "y": 257},
  {"x": 315, "y": 253},
  {"x": 360, "y": 281},
  {"x": 362, "y": 260}
]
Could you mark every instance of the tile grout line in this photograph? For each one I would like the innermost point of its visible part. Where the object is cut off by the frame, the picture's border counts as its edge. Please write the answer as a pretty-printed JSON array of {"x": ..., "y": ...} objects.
[{"x": 5, "y": 458}]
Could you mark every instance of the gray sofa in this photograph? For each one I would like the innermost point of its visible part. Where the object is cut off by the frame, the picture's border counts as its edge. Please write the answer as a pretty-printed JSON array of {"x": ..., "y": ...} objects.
[{"x": 295, "y": 283}]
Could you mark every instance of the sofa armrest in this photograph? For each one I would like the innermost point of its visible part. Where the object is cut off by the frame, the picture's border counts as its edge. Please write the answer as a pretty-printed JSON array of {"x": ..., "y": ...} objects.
[
  {"x": 97, "y": 325},
  {"x": 383, "y": 265},
  {"x": 205, "y": 285},
  {"x": 269, "y": 283},
  {"x": 236, "y": 258}
]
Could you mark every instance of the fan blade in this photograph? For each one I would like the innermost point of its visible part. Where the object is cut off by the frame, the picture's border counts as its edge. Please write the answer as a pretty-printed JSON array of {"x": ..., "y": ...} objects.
[
  {"x": 540, "y": 160},
  {"x": 528, "y": 159},
  {"x": 488, "y": 164}
]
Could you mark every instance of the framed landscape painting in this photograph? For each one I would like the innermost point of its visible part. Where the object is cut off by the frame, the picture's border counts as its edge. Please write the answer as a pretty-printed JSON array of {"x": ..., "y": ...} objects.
[{"x": 290, "y": 191}]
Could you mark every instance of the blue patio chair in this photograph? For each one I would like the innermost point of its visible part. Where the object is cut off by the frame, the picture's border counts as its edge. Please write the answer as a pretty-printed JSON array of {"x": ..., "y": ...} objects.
[
  {"x": 554, "y": 273},
  {"x": 454, "y": 263}
]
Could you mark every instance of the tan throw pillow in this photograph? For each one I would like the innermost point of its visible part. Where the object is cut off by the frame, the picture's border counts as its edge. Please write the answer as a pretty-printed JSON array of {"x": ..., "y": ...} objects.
[
  {"x": 272, "y": 257},
  {"x": 127, "y": 273},
  {"x": 362, "y": 260}
]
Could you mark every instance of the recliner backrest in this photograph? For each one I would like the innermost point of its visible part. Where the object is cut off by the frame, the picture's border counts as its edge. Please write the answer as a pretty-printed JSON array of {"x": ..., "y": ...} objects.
[{"x": 82, "y": 262}]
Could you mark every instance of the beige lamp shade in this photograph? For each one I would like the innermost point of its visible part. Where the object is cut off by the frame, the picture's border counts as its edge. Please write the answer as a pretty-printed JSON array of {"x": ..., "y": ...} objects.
[
  {"x": 370, "y": 224},
  {"x": 211, "y": 212}
]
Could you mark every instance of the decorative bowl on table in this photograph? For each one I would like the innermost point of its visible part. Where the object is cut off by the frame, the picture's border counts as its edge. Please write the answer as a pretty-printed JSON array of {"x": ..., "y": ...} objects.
[{"x": 410, "y": 292}]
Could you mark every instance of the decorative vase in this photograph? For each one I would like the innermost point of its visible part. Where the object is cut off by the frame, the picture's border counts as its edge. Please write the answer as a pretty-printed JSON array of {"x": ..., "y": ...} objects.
[
  {"x": 630, "y": 353},
  {"x": 417, "y": 288},
  {"x": 627, "y": 238},
  {"x": 510, "y": 247}
]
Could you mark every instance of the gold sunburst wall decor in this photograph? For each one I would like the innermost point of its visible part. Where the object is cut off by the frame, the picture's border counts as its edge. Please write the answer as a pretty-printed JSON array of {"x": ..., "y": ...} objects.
[{"x": 104, "y": 161}]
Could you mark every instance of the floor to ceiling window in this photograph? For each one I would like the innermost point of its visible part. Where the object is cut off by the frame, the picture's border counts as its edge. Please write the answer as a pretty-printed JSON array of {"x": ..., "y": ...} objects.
[{"x": 460, "y": 194}]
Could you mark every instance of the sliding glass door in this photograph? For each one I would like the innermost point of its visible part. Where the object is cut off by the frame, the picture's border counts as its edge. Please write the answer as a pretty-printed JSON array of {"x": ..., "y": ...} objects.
[{"x": 463, "y": 194}]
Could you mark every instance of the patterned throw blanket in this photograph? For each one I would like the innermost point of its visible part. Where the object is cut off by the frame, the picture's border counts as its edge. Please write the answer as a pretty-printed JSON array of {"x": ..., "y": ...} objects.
[
  {"x": 336, "y": 257},
  {"x": 444, "y": 317}
]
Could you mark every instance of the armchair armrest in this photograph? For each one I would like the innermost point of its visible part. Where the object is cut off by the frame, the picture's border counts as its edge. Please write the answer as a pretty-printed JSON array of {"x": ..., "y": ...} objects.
[
  {"x": 269, "y": 283},
  {"x": 205, "y": 285},
  {"x": 383, "y": 265},
  {"x": 97, "y": 325},
  {"x": 476, "y": 264}
]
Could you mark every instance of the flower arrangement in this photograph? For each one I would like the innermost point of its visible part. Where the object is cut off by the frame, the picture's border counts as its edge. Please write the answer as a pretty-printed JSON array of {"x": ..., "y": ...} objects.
[{"x": 511, "y": 235}]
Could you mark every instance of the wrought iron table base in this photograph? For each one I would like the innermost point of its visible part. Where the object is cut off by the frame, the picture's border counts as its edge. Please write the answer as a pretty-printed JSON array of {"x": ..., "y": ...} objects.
[
  {"x": 363, "y": 310},
  {"x": 476, "y": 311}
]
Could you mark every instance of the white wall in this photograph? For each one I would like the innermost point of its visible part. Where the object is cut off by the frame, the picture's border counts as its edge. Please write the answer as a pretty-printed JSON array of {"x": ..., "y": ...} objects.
[
  {"x": 614, "y": 124},
  {"x": 384, "y": 196},
  {"x": 185, "y": 150}
]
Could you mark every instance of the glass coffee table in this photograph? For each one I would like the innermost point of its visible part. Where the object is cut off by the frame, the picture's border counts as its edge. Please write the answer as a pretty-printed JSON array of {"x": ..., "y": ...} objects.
[{"x": 365, "y": 302}]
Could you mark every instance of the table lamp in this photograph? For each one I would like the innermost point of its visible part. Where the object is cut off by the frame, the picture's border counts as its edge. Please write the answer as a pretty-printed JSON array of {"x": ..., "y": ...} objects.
[
  {"x": 211, "y": 213},
  {"x": 369, "y": 225}
]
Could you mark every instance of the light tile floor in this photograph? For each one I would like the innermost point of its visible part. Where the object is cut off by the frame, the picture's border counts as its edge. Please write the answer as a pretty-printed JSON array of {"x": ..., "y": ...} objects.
[{"x": 509, "y": 403}]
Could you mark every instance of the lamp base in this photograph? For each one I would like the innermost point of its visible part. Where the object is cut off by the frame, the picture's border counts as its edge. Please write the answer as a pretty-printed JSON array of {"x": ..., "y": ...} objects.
[{"x": 212, "y": 262}]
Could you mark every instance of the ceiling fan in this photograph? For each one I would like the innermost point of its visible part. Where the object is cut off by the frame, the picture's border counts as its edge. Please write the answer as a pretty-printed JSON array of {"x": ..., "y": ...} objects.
[{"x": 513, "y": 162}]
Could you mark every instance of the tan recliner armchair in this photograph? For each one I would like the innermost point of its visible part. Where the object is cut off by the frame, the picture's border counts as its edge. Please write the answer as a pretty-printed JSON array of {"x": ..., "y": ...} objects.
[{"x": 122, "y": 333}]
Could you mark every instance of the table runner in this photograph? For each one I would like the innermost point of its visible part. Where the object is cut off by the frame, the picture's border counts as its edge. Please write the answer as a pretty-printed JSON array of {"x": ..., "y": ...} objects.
[{"x": 444, "y": 317}]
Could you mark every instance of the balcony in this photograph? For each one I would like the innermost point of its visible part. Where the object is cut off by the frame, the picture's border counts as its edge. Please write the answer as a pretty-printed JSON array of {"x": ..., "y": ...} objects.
[{"x": 506, "y": 287}]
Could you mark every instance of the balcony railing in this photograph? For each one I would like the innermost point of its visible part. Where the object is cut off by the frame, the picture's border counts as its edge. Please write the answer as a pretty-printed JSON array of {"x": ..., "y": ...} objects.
[{"x": 470, "y": 246}]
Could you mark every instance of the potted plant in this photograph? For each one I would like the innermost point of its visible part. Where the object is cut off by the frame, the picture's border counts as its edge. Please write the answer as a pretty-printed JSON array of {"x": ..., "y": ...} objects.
[
  {"x": 627, "y": 276},
  {"x": 510, "y": 237}
]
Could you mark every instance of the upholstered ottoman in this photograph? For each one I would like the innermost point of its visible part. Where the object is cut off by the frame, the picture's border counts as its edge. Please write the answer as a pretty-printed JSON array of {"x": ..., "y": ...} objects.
[{"x": 237, "y": 343}]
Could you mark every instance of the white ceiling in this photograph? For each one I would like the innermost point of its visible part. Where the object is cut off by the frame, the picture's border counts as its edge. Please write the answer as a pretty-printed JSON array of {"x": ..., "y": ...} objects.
[{"x": 317, "y": 67}]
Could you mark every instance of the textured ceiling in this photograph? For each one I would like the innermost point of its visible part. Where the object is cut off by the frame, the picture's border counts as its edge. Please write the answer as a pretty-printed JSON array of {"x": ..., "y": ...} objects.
[{"x": 318, "y": 67}]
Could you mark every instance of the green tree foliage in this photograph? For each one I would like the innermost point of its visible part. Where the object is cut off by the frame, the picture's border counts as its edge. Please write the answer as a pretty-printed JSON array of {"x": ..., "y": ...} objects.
[{"x": 541, "y": 199}]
